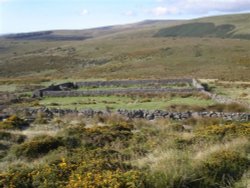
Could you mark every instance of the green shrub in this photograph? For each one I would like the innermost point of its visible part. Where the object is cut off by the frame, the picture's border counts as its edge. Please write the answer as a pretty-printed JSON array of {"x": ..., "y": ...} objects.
[
  {"x": 107, "y": 178},
  {"x": 17, "y": 177},
  {"x": 7, "y": 136},
  {"x": 223, "y": 168},
  {"x": 13, "y": 122},
  {"x": 72, "y": 141},
  {"x": 104, "y": 170},
  {"x": 37, "y": 147},
  {"x": 101, "y": 136},
  {"x": 220, "y": 169},
  {"x": 224, "y": 131},
  {"x": 98, "y": 136},
  {"x": 92, "y": 168},
  {"x": 53, "y": 175}
]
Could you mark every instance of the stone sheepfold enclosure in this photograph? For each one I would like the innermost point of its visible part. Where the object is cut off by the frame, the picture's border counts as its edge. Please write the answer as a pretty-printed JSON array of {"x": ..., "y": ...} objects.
[{"x": 69, "y": 89}]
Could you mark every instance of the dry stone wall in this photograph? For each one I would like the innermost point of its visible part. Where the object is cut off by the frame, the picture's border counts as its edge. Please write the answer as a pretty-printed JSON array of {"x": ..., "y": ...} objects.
[
  {"x": 59, "y": 87},
  {"x": 132, "y": 82},
  {"x": 67, "y": 89},
  {"x": 142, "y": 114},
  {"x": 224, "y": 99}
]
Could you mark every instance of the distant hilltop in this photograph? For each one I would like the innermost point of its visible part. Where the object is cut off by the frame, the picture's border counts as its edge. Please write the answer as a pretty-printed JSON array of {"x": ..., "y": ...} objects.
[{"x": 226, "y": 26}]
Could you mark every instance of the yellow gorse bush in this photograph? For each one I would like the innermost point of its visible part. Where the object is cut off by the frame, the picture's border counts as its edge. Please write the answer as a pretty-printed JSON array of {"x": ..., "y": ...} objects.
[
  {"x": 106, "y": 178},
  {"x": 242, "y": 129}
]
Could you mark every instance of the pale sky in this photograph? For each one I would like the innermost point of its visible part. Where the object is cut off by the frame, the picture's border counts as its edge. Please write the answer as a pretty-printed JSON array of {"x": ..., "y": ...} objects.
[{"x": 37, "y": 15}]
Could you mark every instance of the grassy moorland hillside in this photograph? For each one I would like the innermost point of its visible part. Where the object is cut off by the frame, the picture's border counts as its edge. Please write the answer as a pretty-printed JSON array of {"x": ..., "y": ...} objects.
[
  {"x": 229, "y": 26},
  {"x": 240, "y": 21},
  {"x": 132, "y": 51}
]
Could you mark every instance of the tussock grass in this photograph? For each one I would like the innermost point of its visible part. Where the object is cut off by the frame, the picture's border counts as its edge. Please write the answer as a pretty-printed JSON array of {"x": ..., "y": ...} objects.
[{"x": 238, "y": 144}]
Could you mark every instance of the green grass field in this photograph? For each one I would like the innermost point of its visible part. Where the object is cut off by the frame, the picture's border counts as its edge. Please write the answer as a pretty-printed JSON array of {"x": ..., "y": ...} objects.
[
  {"x": 8, "y": 88},
  {"x": 122, "y": 102},
  {"x": 235, "y": 90}
]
